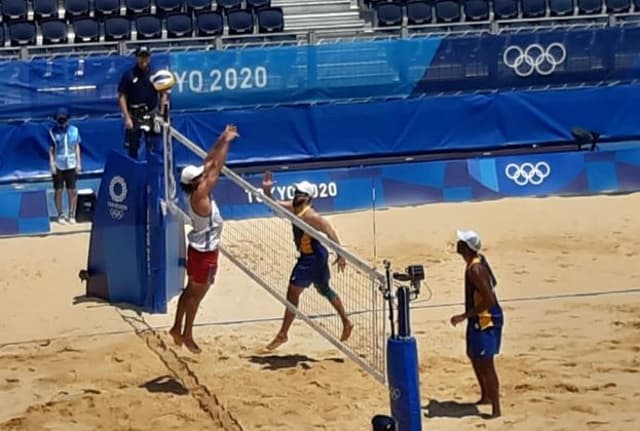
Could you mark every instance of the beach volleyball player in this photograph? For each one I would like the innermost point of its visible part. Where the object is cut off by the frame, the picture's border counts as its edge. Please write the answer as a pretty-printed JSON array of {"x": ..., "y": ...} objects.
[
  {"x": 202, "y": 253},
  {"x": 312, "y": 266}
]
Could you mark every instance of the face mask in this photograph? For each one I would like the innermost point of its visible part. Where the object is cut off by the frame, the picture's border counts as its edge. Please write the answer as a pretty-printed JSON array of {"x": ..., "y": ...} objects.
[{"x": 62, "y": 121}]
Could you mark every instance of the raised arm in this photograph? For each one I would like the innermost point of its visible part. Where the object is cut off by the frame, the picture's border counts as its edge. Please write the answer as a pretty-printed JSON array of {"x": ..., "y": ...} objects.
[
  {"x": 267, "y": 185},
  {"x": 215, "y": 160}
]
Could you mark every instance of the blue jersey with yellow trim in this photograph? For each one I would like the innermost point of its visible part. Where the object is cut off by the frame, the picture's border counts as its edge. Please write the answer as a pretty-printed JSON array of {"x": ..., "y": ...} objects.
[
  {"x": 488, "y": 318},
  {"x": 305, "y": 243}
]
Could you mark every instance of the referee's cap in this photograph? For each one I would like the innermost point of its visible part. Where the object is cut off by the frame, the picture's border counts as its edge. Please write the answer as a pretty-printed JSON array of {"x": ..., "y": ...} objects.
[
  {"x": 189, "y": 173},
  {"x": 143, "y": 51},
  {"x": 471, "y": 238}
]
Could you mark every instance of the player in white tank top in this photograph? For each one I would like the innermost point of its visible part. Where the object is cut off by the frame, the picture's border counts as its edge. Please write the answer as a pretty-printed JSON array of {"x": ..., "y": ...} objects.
[
  {"x": 206, "y": 232},
  {"x": 202, "y": 257}
]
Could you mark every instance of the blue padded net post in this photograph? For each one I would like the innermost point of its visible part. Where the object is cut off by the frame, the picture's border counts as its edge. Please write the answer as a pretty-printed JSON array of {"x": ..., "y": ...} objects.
[{"x": 403, "y": 371}]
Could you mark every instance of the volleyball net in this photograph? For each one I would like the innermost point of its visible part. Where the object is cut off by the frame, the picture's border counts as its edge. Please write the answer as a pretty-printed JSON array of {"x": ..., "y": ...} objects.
[{"x": 263, "y": 248}]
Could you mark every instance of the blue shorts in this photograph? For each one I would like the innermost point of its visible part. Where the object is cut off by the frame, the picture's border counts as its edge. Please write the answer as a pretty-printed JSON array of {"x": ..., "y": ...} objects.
[
  {"x": 483, "y": 343},
  {"x": 311, "y": 268}
]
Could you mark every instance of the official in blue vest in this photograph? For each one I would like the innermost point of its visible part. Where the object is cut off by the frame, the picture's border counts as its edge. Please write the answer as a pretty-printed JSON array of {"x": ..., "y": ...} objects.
[
  {"x": 65, "y": 162},
  {"x": 140, "y": 102}
]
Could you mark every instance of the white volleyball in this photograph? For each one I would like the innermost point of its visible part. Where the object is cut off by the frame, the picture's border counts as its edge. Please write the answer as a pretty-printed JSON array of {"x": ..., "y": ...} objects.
[{"x": 163, "y": 80}]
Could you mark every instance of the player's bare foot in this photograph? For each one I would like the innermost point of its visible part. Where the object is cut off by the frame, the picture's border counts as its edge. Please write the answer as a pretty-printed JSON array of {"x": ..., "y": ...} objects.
[
  {"x": 277, "y": 342},
  {"x": 346, "y": 331},
  {"x": 176, "y": 335},
  {"x": 191, "y": 345},
  {"x": 483, "y": 402}
]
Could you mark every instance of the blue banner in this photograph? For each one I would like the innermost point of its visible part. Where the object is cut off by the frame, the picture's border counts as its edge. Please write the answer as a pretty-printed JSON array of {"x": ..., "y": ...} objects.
[
  {"x": 543, "y": 174},
  {"x": 294, "y": 134},
  {"x": 250, "y": 77}
]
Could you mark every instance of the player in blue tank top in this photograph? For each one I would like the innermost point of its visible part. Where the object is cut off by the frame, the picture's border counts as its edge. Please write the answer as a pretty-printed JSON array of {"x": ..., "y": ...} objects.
[
  {"x": 312, "y": 266},
  {"x": 484, "y": 317}
]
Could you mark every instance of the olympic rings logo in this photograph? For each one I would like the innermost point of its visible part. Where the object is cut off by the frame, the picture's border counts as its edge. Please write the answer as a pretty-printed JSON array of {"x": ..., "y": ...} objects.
[
  {"x": 528, "y": 173},
  {"x": 534, "y": 58},
  {"x": 116, "y": 195},
  {"x": 116, "y": 214}
]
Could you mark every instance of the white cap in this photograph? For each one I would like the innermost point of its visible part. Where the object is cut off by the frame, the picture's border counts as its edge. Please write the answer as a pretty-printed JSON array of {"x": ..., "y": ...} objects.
[
  {"x": 305, "y": 187},
  {"x": 190, "y": 172},
  {"x": 471, "y": 238}
]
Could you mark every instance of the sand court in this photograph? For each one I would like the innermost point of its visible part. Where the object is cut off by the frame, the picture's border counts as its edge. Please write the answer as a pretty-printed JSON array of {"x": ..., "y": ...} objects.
[{"x": 568, "y": 275}]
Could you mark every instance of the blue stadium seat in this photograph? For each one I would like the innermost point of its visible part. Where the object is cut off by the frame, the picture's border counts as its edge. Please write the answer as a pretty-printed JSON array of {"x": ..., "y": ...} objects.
[
  {"x": 45, "y": 9},
  {"x": 258, "y": 4},
  {"x": 22, "y": 33},
  {"x": 164, "y": 7},
  {"x": 534, "y": 8},
  {"x": 589, "y": 7},
  {"x": 561, "y": 7},
  {"x": 505, "y": 9},
  {"x": 618, "y": 6},
  {"x": 54, "y": 31},
  {"x": 270, "y": 20},
  {"x": 419, "y": 12},
  {"x": 117, "y": 28},
  {"x": 228, "y": 5},
  {"x": 138, "y": 7},
  {"x": 198, "y": 5},
  {"x": 476, "y": 10},
  {"x": 179, "y": 25},
  {"x": 209, "y": 23},
  {"x": 447, "y": 11},
  {"x": 389, "y": 14},
  {"x": 76, "y": 8},
  {"x": 107, "y": 7},
  {"x": 240, "y": 21},
  {"x": 14, "y": 10},
  {"x": 86, "y": 30},
  {"x": 148, "y": 27}
]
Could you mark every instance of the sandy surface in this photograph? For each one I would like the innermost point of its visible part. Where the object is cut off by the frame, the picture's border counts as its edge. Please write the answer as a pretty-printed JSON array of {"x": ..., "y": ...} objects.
[{"x": 568, "y": 361}]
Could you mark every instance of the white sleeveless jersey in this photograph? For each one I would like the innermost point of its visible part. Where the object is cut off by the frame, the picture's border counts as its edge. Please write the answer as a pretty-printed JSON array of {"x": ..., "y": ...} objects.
[{"x": 206, "y": 232}]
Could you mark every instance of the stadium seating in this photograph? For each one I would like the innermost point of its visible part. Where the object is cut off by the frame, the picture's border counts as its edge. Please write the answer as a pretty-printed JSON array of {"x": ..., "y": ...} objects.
[
  {"x": 54, "y": 31},
  {"x": 118, "y": 20}
]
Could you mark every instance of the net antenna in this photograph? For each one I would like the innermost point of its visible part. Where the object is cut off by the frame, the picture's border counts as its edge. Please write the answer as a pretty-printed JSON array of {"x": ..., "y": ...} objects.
[{"x": 263, "y": 248}]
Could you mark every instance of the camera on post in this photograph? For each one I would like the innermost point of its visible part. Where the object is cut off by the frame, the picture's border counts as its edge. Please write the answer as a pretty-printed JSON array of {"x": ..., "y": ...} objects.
[{"x": 414, "y": 274}]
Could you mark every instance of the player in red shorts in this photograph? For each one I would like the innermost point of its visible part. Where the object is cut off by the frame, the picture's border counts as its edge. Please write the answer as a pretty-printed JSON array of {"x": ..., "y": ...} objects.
[{"x": 202, "y": 254}]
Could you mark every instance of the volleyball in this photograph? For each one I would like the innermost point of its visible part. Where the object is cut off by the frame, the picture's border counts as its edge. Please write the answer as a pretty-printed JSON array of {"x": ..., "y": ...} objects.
[{"x": 163, "y": 80}]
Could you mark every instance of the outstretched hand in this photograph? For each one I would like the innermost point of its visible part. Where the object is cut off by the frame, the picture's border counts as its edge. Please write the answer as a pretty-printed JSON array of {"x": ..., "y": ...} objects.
[
  {"x": 342, "y": 263},
  {"x": 230, "y": 132},
  {"x": 267, "y": 181}
]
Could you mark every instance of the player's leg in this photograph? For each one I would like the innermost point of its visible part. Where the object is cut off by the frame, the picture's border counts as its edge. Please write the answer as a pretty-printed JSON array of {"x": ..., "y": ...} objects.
[
  {"x": 474, "y": 351},
  {"x": 176, "y": 329},
  {"x": 195, "y": 293},
  {"x": 70, "y": 179},
  {"x": 293, "y": 296},
  {"x": 300, "y": 279},
  {"x": 487, "y": 347},
  {"x": 322, "y": 285},
  {"x": 58, "y": 184}
]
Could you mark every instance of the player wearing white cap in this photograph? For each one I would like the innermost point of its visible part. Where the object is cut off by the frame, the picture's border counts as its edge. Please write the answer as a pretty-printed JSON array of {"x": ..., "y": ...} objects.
[
  {"x": 312, "y": 266},
  {"x": 484, "y": 318},
  {"x": 202, "y": 254}
]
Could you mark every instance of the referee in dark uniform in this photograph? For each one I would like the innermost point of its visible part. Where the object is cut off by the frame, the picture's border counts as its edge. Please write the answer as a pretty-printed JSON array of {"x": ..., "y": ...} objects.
[{"x": 140, "y": 102}]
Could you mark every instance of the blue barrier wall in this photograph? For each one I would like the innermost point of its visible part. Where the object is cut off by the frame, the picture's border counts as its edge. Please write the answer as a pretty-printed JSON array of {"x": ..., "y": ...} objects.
[
  {"x": 23, "y": 212},
  {"x": 563, "y": 173},
  {"x": 460, "y": 93},
  {"x": 452, "y": 123}
]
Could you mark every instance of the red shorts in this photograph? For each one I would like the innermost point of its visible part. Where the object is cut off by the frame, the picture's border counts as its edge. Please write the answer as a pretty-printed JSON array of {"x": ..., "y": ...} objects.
[{"x": 202, "y": 265}]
